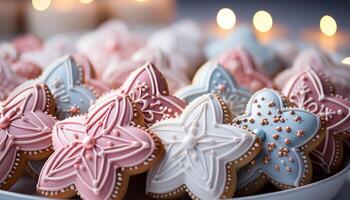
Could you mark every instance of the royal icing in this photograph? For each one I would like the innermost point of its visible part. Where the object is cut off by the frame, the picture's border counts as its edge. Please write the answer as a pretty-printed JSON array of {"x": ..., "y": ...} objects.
[
  {"x": 54, "y": 48},
  {"x": 8, "y": 80},
  {"x": 89, "y": 75},
  {"x": 92, "y": 151},
  {"x": 8, "y": 52},
  {"x": 241, "y": 65},
  {"x": 317, "y": 59},
  {"x": 65, "y": 80},
  {"x": 265, "y": 59},
  {"x": 148, "y": 88},
  {"x": 285, "y": 133},
  {"x": 25, "y": 127},
  {"x": 212, "y": 77},
  {"x": 183, "y": 39},
  {"x": 167, "y": 64},
  {"x": 200, "y": 150},
  {"x": 310, "y": 90},
  {"x": 26, "y": 43},
  {"x": 27, "y": 70}
]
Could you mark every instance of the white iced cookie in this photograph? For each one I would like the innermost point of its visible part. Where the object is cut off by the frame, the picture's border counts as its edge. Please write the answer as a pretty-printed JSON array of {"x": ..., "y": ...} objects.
[
  {"x": 202, "y": 152},
  {"x": 182, "y": 39},
  {"x": 167, "y": 64}
]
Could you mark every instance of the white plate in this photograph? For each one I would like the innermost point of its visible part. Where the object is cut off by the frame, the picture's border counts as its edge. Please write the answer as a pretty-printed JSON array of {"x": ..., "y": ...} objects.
[{"x": 325, "y": 189}]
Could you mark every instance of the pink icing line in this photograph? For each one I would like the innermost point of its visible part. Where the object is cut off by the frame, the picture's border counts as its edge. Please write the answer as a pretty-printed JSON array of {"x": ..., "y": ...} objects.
[
  {"x": 148, "y": 88},
  {"x": 104, "y": 134},
  {"x": 24, "y": 124}
]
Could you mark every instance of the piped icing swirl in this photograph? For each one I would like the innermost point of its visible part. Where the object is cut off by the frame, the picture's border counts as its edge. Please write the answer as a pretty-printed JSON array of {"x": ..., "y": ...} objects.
[
  {"x": 65, "y": 80},
  {"x": 311, "y": 90},
  {"x": 93, "y": 151},
  {"x": 25, "y": 128},
  {"x": 212, "y": 77},
  {"x": 148, "y": 88},
  {"x": 200, "y": 151},
  {"x": 241, "y": 65}
]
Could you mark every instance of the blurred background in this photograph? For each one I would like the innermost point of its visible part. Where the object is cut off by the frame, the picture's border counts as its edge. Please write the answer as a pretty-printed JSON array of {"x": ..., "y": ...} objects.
[{"x": 294, "y": 20}]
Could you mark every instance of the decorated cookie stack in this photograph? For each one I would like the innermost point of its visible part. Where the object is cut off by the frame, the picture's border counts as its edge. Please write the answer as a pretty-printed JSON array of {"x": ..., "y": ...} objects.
[{"x": 81, "y": 118}]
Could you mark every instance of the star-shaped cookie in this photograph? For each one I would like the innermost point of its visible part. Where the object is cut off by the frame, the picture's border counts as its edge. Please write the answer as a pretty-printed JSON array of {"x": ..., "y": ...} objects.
[
  {"x": 288, "y": 135},
  {"x": 148, "y": 87},
  {"x": 96, "y": 153},
  {"x": 212, "y": 77},
  {"x": 202, "y": 152},
  {"x": 313, "y": 91}
]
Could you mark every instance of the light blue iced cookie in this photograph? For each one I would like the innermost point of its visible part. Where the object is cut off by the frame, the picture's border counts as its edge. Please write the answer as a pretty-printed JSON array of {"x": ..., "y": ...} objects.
[
  {"x": 287, "y": 136},
  {"x": 65, "y": 81},
  {"x": 212, "y": 77},
  {"x": 265, "y": 58}
]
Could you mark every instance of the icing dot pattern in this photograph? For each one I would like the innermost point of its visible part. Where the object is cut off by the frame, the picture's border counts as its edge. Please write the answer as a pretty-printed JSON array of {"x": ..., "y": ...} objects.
[
  {"x": 212, "y": 77},
  {"x": 92, "y": 151},
  {"x": 200, "y": 150},
  {"x": 148, "y": 88},
  {"x": 25, "y": 128},
  {"x": 313, "y": 91},
  {"x": 65, "y": 80},
  {"x": 282, "y": 158}
]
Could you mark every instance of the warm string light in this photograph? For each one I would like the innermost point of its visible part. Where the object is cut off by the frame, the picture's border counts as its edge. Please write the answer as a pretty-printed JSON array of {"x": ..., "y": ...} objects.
[
  {"x": 262, "y": 21},
  {"x": 328, "y": 25},
  {"x": 226, "y": 18},
  {"x": 141, "y": 1},
  {"x": 346, "y": 61},
  {"x": 85, "y": 1},
  {"x": 41, "y": 5}
]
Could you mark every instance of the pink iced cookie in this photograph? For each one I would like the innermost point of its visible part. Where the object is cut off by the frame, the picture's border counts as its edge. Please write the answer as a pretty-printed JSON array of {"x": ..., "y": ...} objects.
[
  {"x": 26, "y": 43},
  {"x": 27, "y": 70},
  {"x": 118, "y": 71},
  {"x": 53, "y": 48},
  {"x": 112, "y": 40},
  {"x": 90, "y": 76},
  {"x": 95, "y": 154},
  {"x": 167, "y": 64},
  {"x": 149, "y": 89},
  {"x": 8, "y": 52},
  {"x": 25, "y": 130},
  {"x": 317, "y": 59},
  {"x": 241, "y": 65},
  {"x": 311, "y": 90},
  {"x": 8, "y": 80},
  {"x": 184, "y": 39}
]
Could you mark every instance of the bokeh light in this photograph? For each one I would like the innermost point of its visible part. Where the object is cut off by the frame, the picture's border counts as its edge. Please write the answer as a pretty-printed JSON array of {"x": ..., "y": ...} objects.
[
  {"x": 226, "y": 19},
  {"x": 346, "y": 61},
  {"x": 262, "y": 21},
  {"x": 85, "y": 1},
  {"x": 41, "y": 5},
  {"x": 328, "y": 25}
]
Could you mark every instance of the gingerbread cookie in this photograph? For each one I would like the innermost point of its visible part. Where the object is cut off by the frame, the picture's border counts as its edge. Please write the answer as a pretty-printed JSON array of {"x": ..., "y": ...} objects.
[
  {"x": 317, "y": 59},
  {"x": 90, "y": 76},
  {"x": 213, "y": 77},
  {"x": 202, "y": 152},
  {"x": 148, "y": 88},
  {"x": 27, "y": 70},
  {"x": 265, "y": 58},
  {"x": 241, "y": 65},
  {"x": 312, "y": 91},
  {"x": 288, "y": 136},
  {"x": 25, "y": 130},
  {"x": 65, "y": 80},
  {"x": 8, "y": 80},
  {"x": 96, "y": 153},
  {"x": 167, "y": 64}
]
